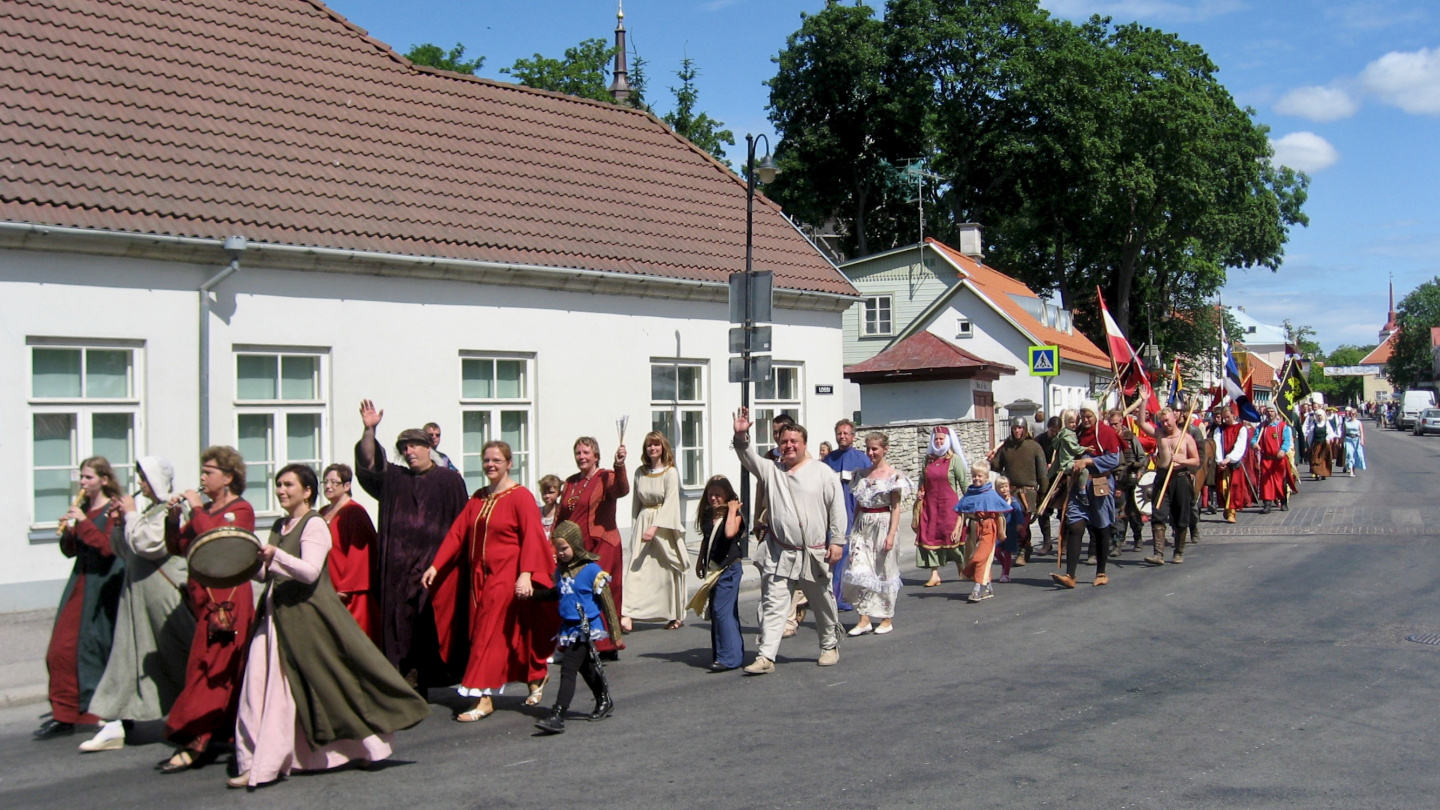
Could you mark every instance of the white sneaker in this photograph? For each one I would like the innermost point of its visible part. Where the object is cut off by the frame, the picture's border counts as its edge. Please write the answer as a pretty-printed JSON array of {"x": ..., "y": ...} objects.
[{"x": 111, "y": 737}]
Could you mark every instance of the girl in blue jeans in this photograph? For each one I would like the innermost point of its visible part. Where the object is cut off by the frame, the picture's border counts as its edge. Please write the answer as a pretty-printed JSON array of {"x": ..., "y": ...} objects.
[{"x": 722, "y": 547}]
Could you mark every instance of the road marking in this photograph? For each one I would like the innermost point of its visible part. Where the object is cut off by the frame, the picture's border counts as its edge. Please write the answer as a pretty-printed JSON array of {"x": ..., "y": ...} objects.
[
  {"x": 1170, "y": 594},
  {"x": 842, "y": 683},
  {"x": 526, "y": 762}
]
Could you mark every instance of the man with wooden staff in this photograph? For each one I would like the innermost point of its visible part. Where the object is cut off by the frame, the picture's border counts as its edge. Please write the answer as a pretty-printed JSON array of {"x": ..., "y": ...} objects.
[
  {"x": 1176, "y": 459},
  {"x": 1091, "y": 503},
  {"x": 1021, "y": 459}
]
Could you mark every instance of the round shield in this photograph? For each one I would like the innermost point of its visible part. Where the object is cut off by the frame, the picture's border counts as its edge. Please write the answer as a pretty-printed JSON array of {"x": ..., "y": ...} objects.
[
  {"x": 224, "y": 557},
  {"x": 1144, "y": 491}
]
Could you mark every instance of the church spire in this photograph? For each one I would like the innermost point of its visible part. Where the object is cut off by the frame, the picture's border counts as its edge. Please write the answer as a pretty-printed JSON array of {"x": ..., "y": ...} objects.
[
  {"x": 620, "y": 87},
  {"x": 1392, "y": 323}
]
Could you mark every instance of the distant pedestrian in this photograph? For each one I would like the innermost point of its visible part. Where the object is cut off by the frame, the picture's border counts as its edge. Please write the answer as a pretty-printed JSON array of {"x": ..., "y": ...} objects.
[
  {"x": 1022, "y": 460},
  {"x": 1015, "y": 526},
  {"x": 1318, "y": 435},
  {"x": 981, "y": 526},
  {"x": 550, "y": 487},
  {"x": 353, "y": 539},
  {"x": 1354, "y": 435},
  {"x": 441, "y": 460},
  {"x": 658, "y": 560},
  {"x": 1090, "y": 505},
  {"x": 589, "y": 501}
]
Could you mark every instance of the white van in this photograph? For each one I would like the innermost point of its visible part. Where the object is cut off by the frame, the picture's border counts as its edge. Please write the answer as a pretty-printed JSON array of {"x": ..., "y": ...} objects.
[{"x": 1411, "y": 404}]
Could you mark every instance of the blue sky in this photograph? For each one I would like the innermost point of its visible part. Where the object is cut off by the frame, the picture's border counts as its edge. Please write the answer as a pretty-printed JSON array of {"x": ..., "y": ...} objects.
[{"x": 1349, "y": 88}]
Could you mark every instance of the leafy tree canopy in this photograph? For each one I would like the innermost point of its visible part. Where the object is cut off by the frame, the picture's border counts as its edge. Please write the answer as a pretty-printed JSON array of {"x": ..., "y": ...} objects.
[
  {"x": 436, "y": 57},
  {"x": 1095, "y": 155},
  {"x": 580, "y": 73},
  {"x": 1410, "y": 364}
]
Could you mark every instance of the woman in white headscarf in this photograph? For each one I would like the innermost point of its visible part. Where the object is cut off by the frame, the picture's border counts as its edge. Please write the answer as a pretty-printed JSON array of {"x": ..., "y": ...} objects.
[
  {"x": 945, "y": 476},
  {"x": 153, "y": 628}
]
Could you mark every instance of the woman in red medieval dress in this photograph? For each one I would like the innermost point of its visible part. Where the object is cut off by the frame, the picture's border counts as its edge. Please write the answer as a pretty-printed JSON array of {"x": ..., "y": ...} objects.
[
  {"x": 205, "y": 710},
  {"x": 588, "y": 501},
  {"x": 497, "y": 551},
  {"x": 352, "y": 535}
]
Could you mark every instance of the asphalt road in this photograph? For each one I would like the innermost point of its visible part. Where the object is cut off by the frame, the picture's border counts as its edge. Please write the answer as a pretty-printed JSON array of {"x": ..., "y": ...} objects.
[{"x": 1271, "y": 670}]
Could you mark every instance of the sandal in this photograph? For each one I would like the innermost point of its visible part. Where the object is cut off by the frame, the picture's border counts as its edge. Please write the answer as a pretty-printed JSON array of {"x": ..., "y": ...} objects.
[
  {"x": 475, "y": 714},
  {"x": 537, "y": 691},
  {"x": 185, "y": 763},
  {"x": 675, "y": 625}
]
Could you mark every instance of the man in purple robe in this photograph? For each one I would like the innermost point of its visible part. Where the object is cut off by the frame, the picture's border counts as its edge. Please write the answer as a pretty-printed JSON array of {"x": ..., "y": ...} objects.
[{"x": 418, "y": 503}]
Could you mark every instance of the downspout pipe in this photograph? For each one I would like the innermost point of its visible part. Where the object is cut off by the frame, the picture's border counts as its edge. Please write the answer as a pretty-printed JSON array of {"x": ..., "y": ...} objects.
[{"x": 234, "y": 245}]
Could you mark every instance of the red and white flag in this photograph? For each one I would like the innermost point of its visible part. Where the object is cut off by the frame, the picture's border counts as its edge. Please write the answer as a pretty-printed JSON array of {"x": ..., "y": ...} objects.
[{"x": 1127, "y": 363}]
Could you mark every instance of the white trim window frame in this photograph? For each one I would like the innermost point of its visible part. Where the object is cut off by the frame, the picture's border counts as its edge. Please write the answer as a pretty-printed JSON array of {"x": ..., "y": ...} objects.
[
  {"x": 784, "y": 392},
  {"x": 877, "y": 316},
  {"x": 497, "y": 401},
  {"x": 281, "y": 415},
  {"x": 964, "y": 329},
  {"x": 678, "y": 409},
  {"x": 84, "y": 399}
]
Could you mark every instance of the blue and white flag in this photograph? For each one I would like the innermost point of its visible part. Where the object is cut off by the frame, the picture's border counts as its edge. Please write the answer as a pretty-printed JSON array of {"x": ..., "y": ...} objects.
[{"x": 1233, "y": 388}]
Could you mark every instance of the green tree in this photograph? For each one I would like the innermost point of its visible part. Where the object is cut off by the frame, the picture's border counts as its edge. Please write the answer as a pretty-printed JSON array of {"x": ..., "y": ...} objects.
[
  {"x": 580, "y": 73},
  {"x": 1411, "y": 365},
  {"x": 699, "y": 128},
  {"x": 1095, "y": 155},
  {"x": 434, "y": 56},
  {"x": 842, "y": 138},
  {"x": 1345, "y": 389},
  {"x": 637, "y": 82}
]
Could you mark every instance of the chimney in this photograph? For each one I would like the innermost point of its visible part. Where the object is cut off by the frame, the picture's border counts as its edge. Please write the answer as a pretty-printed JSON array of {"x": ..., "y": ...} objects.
[
  {"x": 970, "y": 243},
  {"x": 620, "y": 87}
]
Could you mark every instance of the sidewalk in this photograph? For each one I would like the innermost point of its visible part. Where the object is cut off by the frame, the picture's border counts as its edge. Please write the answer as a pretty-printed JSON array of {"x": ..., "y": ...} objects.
[{"x": 24, "y": 637}]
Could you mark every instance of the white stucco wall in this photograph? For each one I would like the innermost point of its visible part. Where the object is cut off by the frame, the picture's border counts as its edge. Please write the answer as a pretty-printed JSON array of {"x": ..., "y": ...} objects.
[
  {"x": 397, "y": 341},
  {"x": 888, "y": 403}
]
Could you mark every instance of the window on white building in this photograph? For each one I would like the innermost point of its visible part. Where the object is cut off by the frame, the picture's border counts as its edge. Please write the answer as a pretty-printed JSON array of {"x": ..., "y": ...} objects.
[
  {"x": 280, "y": 407},
  {"x": 84, "y": 401},
  {"x": 779, "y": 394},
  {"x": 963, "y": 328},
  {"x": 496, "y": 402},
  {"x": 677, "y": 409},
  {"x": 877, "y": 321}
]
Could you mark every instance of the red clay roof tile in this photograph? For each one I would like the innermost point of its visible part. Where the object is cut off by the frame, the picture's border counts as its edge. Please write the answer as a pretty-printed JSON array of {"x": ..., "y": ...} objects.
[
  {"x": 925, "y": 354},
  {"x": 281, "y": 120}
]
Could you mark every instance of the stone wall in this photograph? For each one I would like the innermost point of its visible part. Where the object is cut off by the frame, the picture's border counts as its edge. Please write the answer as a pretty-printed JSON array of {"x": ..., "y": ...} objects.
[{"x": 909, "y": 441}]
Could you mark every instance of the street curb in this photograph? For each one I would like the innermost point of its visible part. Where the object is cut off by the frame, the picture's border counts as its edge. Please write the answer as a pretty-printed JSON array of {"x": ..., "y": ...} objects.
[{"x": 24, "y": 696}]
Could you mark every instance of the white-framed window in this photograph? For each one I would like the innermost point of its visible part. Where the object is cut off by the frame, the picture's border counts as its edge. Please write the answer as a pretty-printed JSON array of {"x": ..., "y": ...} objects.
[
  {"x": 280, "y": 415},
  {"x": 497, "y": 401},
  {"x": 963, "y": 329},
  {"x": 779, "y": 394},
  {"x": 84, "y": 400},
  {"x": 877, "y": 320},
  {"x": 677, "y": 409}
]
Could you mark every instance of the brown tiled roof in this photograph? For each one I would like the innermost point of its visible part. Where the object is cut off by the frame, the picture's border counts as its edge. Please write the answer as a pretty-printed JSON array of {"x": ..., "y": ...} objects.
[
  {"x": 925, "y": 355},
  {"x": 1381, "y": 354},
  {"x": 280, "y": 121},
  {"x": 998, "y": 287}
]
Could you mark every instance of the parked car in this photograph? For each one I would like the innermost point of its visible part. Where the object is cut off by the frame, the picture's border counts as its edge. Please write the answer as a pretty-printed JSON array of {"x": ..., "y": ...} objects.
[{"x": 1428, "y": 422}]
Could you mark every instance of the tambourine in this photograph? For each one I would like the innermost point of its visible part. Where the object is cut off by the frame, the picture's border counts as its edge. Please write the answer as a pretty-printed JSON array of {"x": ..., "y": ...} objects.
[
  {"x": 224, "y": 557},
  {"x": 1144, "y": 492}
]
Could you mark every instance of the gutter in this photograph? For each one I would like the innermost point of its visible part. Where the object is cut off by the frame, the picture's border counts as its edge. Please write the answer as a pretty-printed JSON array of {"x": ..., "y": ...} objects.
[
  {"x": 339, "y": 260},
  {"x": 234, "y": 246}
]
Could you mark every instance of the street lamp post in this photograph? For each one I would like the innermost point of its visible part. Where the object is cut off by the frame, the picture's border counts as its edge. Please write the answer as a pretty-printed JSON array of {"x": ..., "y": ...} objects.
[{"x": 765, "y": 174}]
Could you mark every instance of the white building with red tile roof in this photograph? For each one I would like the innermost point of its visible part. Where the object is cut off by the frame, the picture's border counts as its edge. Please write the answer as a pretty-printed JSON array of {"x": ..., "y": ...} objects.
[
  {"x": 957, "y": 298},
  {"x": 507, "y": 262}
]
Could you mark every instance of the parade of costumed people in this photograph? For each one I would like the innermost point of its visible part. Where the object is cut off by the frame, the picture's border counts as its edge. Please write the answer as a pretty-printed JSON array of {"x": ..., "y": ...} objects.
[{"x": 306, "y": 677}]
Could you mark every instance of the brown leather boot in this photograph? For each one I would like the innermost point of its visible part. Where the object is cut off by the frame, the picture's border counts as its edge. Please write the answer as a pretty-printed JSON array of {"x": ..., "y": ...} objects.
[
  {"x": 1157, "y": 535},
  {"x": 1179, "y": 556}
]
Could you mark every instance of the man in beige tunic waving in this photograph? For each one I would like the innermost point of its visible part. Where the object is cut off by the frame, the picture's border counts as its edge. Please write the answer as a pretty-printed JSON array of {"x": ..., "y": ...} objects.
[{"x": 807, "y": 535}]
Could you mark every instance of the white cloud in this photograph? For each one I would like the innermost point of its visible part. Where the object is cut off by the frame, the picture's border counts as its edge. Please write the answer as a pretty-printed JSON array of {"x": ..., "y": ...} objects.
[
  {"x": 1318, "y": 103},
  {"x": 1128, "y": 10},
  {"x": 1408, "y": 80},
  {"x": 1304, "y": 152}
]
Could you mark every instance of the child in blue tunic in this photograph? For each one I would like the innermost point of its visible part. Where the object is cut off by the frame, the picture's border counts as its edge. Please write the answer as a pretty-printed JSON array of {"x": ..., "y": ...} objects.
[
  {"x": 1014, "y": 525},
  {"x": 583, "y": 596}
]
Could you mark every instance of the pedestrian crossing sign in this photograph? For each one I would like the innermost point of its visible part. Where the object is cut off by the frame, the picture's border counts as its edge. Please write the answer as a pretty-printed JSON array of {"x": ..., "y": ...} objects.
[{"x": 1044, "y": 361}]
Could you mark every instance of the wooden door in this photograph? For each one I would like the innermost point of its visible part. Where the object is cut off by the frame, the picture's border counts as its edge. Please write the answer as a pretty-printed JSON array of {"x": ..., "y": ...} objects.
[{"x": 985, "y": 409}]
